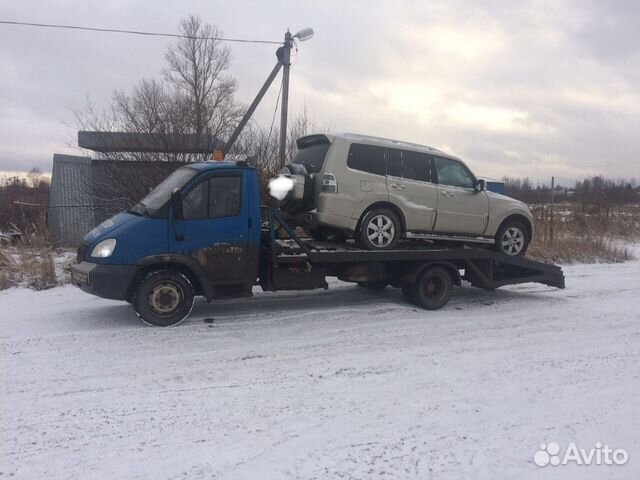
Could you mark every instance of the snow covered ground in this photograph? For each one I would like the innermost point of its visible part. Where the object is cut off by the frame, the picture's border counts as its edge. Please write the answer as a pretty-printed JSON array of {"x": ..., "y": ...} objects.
[{"x": 340, "y": 384}]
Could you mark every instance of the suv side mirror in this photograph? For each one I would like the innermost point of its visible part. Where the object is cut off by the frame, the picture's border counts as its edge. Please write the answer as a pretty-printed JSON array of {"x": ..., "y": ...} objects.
[
  {"x": 480, "y": 185},
  {"x": 176, "y": 204}
]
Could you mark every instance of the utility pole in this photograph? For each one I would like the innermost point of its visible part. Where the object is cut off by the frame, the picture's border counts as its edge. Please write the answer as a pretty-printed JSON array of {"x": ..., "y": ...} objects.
[
  {"x": 236, "y": 133},
  {"x": 286, "y": 65},
  {"x": 283, "y": 54},
  {"x": 553, "y": 188}
]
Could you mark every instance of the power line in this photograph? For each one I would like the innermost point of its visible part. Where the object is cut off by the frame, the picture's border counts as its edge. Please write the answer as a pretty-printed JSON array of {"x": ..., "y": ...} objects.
[
  {"x": 274, "y": 113},
  {"x": 135, "y": 32}
]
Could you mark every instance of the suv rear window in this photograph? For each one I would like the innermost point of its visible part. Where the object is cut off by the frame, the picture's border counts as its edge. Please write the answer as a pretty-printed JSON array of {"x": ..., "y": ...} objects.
[
  {"x": 367, "y": 158},
  {"x": 312, "y": 154}
]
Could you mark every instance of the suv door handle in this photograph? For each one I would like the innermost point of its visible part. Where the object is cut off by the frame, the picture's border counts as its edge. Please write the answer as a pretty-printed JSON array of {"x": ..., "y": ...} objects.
[
  {"x": 446, "y": 193},
  {"x": 397, "y": 187}
]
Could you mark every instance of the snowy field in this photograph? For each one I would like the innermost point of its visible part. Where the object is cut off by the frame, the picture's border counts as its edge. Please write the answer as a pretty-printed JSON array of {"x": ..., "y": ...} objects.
[{"x": 340, "y": 384}]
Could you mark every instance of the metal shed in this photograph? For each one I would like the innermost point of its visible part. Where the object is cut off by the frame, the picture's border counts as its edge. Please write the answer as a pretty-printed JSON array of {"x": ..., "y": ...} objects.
[{"x": 71, "y": 214}]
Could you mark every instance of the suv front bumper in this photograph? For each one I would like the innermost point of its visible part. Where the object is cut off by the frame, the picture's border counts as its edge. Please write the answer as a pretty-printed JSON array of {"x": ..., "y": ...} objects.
[{"x": 106, "y": 281}]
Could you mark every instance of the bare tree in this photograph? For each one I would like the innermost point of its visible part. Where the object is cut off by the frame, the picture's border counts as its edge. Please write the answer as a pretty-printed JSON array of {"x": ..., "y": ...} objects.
[
  {"x": 196, "y": 68},
  {"x": 35, "y": 177},
  {"x": 195, "y": 95}
]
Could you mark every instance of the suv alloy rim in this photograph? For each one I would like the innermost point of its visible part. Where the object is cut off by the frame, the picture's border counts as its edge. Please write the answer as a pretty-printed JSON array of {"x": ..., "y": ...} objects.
[
  {"x": 380, "y": 231},
  {"x": 512, "y": 241}
]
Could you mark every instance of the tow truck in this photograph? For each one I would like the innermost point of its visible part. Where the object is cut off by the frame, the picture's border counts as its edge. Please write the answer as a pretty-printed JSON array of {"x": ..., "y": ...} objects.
[{"x": 203, "y": 232}]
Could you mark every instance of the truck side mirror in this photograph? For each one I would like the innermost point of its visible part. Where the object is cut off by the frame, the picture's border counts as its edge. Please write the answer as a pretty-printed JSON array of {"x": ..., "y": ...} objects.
[
  {"x": 176, "y": 204},
  {"x": 480, "y": 185}
]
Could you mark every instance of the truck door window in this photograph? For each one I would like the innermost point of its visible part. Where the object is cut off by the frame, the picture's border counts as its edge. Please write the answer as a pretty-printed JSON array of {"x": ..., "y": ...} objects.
[
  {"x": 194, "y": 203},
  {"x": 367, "y": 158},
  {"x": 453, "y": 173},
  {"x": 224, "y": 196}
]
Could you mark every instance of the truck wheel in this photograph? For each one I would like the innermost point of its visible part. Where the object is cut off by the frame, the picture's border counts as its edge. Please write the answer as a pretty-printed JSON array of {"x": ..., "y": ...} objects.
[
  {"x": 512, "y": 238},
  {"x": 380, "y": 229},
  {"x": 164, "y": 298},
  {"x": 432, "y": 289}
]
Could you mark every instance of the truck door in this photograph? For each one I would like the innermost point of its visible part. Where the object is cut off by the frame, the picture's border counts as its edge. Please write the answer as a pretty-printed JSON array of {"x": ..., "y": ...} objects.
[
  {"x": 214, "y": 230},
  {"x": 461, "y": 209},
  {"x": 410, "y": 188}
]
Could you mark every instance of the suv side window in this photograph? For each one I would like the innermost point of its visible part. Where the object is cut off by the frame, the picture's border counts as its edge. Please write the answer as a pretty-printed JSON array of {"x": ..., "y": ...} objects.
[
  {"x": 415, "y": 166},
  {"x": 453, "y": 173},
  {"x": 394, "y": 162},
  {"x": 367, "y": 158},
  {"x": 409, "y": 165}
]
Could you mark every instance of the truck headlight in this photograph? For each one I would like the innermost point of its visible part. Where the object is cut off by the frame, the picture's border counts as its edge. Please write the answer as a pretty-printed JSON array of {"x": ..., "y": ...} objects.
[{"x": 104, "y": 248}]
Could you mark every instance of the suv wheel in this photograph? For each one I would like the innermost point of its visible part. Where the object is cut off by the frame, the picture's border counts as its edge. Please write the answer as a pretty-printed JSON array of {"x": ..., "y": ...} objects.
[
  {"x": 512, "y": 238},
  {"x": 379, "y": 229}
]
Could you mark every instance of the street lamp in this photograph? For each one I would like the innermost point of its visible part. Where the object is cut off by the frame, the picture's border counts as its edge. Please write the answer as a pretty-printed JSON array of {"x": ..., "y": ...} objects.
[
  {"x": 304, "y": 34},
  {"x": 283, "y": 54}
]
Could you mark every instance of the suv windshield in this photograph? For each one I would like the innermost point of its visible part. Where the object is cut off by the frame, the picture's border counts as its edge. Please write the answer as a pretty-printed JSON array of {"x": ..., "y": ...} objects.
[{"x": 160, "y": 195}]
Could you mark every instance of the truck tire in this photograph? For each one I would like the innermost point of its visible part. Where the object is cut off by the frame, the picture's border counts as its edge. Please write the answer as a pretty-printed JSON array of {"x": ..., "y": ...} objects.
[
  {"x": 164, "y": 298},
  {"x": 512, "y": 238},
  {"x": 380, "y": 229},
  {"x": 432, "y": 289}
]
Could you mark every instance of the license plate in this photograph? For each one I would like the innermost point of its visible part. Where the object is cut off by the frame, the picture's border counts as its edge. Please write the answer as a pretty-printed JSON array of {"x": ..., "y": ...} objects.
[{"x": 79, "y": 276}]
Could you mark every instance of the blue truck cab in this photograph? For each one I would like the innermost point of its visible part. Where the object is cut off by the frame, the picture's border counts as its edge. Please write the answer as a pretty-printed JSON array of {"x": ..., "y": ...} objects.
[{"x": 197, "y": 233}]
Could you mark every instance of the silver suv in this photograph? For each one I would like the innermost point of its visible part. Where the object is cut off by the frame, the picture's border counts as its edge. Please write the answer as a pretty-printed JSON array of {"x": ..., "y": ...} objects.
[{"x": 380, "y": 191}]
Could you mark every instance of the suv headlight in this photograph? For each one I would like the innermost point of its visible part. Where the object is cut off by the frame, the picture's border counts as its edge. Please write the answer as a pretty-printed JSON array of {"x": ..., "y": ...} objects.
[{"x": 104, "y": 248}]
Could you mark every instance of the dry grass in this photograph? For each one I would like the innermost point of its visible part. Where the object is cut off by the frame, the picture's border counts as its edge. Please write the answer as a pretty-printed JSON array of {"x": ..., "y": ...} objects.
[
  {"x": 591, "y": 236},
  {"x": 29, "y": 263},
  {"x": 28, "y": 267},
  {"x": 576, "y": 249}
]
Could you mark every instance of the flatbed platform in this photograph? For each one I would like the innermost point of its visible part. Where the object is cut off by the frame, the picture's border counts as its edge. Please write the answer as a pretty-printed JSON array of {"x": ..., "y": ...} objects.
[{"x": 481, "y": 267}]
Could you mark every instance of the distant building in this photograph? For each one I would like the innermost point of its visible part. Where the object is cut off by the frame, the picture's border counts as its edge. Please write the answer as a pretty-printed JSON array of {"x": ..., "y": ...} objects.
[
  {"x": 71, "y": 214},
  {"x": 496, "y": 186},
  {"x": 86, "y": 191}
]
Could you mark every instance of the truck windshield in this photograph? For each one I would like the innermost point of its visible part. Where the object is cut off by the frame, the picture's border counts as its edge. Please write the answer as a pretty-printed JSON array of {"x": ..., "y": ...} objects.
[
  {"x": 159, "y": 196},
  {"x": 312, "y": 156}
]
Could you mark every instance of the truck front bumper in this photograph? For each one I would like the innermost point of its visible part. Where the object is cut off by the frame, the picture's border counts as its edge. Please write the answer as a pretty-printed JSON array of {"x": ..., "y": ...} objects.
[{"x": 106, "y": 281}]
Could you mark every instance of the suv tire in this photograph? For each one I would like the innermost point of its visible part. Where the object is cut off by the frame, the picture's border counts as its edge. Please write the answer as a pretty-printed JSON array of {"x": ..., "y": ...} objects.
[
  {"x": 512, "y": 238},
  {"x": 380, "y": 229}
]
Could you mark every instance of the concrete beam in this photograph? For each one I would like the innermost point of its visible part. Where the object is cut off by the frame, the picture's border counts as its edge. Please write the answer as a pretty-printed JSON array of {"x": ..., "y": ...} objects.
[{"x": 148, "y": 142}]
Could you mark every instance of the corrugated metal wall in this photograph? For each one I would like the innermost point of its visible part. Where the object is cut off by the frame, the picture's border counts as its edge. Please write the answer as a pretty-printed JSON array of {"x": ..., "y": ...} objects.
[
  {"x": 86, "y": 191},
  {"x": 70, "y": 213}
]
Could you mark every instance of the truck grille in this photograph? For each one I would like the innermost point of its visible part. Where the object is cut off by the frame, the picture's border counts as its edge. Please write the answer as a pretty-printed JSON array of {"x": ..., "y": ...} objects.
[{"x": 82, "y": 252}]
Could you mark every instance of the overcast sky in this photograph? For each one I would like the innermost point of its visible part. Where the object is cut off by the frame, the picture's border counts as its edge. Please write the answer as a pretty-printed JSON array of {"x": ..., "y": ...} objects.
[{"x": 528, "y": 88}]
